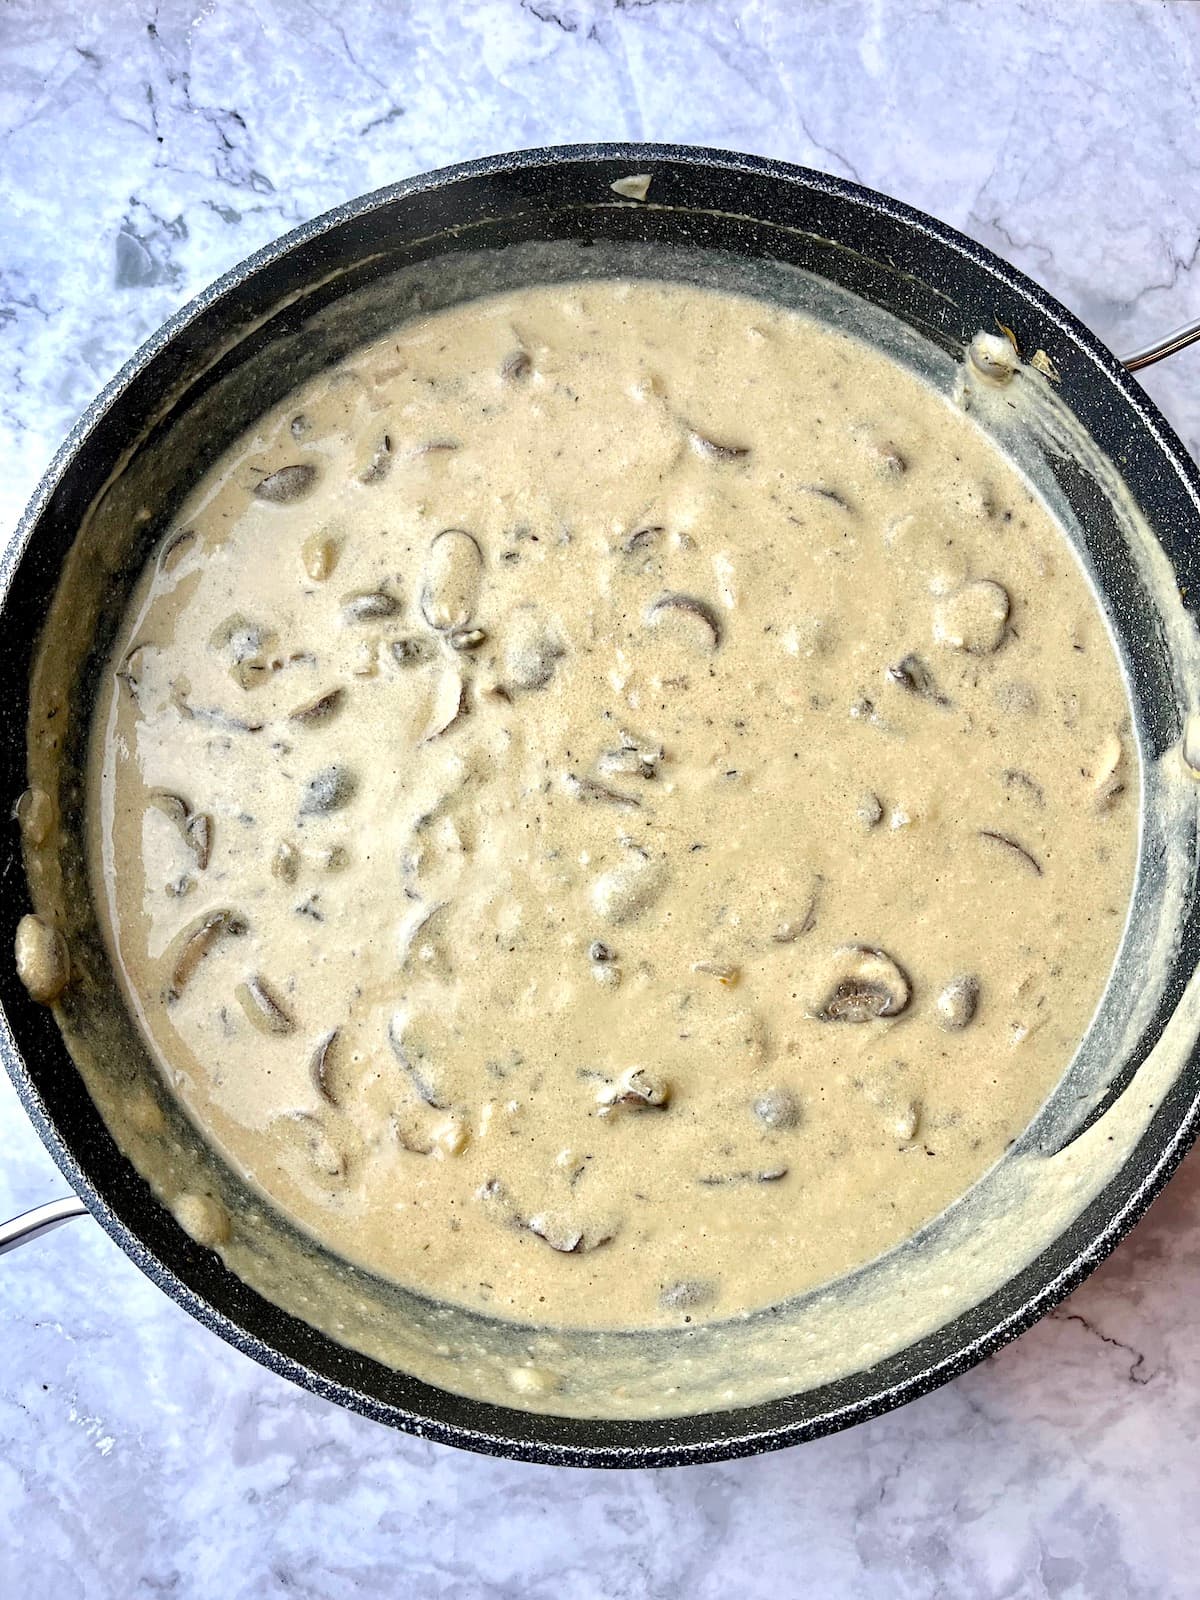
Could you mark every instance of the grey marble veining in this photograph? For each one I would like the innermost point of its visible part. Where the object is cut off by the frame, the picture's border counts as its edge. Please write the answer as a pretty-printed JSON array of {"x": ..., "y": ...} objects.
[{"x": 145, "y": 148}]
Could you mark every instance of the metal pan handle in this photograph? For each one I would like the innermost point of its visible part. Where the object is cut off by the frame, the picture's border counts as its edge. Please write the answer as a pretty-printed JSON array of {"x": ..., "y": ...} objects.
[
  {"x": 31, "y": 1224},
  {"x": 1150, "y": 353}
]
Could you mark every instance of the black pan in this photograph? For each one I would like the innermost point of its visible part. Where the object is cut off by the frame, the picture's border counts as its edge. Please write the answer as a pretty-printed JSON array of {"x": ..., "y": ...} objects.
[{"x": 275, "y": 319}]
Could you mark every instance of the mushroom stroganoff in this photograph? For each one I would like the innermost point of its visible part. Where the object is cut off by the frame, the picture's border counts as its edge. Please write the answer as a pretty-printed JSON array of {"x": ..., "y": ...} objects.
[{"x": 613, "y": 805}]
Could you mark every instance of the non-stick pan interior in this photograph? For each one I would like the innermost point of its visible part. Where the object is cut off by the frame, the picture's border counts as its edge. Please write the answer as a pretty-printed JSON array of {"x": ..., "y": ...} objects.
[{"x": 793, "y": 238}]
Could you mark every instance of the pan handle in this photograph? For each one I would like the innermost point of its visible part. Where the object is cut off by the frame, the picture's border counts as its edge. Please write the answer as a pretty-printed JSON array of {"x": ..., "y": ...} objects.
[
  {"x": 1150, "y": 353},
  {"x": 30, "y": 1224}
]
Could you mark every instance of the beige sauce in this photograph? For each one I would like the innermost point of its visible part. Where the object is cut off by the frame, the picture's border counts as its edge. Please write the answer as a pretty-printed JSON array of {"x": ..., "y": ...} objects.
[{"x": 663, "y": 892}]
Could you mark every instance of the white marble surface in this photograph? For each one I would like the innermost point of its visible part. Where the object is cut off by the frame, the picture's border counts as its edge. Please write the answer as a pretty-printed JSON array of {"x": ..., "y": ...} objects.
[{"x": 146, "y": 147}]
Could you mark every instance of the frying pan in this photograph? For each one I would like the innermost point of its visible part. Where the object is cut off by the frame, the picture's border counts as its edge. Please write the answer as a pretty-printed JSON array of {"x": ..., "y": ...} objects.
[{"x": 1113, "y": 471}]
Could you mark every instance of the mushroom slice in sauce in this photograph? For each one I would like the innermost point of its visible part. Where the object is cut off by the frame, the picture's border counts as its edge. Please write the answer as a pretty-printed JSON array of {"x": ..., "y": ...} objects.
[
  {"x": 453, "y": 575},
  {"x": 688, "y": 1294},
  {"x": 328, "y": 790},
  {"x": 958, "y": 1002},
  {"x": 635, "y": 758},
  {"x": 375, "y": 460},
  {"x": 516, "y": 366},
  {"x": 914, "y": 675},
  {"x": 133, "y": 667},
  {"x": 635, "y": 1090},
  {"x": 862, "y": 984},
  {"x": 822, "y": 492},
  {"x": 319, "y": 1067},
  {"x": 708, "y": 631},
  {"x": 175, "y": 548},
  {"x": 590, "y": 790},
  {"x": 564, "y": 1234},
  {"x": 421, "y": 1075},
  {"x": 973, "y": 618},
  {"x": 204, "y": 938},
  {"x": 451, "y": 704},
  {"x": 262, "y": 1008},
  {"x": 287, "y": 484},
  {"x": 714, "y": 450},
  {"x": 1016, "y": 853},
  {"x": 371, "y": 605},
  {"x": 777, "y": 1109},
  {"x": 320, "y": 709},
  {"x": 723, "y": 1180}
]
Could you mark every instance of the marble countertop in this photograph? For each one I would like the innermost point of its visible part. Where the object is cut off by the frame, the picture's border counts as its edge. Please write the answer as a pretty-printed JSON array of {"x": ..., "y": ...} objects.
[{"x": 144, "y": 148}]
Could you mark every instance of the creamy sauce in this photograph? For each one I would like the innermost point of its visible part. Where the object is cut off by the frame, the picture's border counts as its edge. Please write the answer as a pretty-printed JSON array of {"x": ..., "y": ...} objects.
[{"x": 615, "y": 806}]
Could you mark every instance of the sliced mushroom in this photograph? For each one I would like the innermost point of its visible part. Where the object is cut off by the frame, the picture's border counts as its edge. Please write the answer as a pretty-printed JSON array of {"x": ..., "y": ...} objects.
[
  {"x": 416, "y": 1065},
  {"x": 176, "y": 546},
  {"x": 635, "y": 758},
  {"x": 642, "y": 539},
  {"x": 247, "y": 646},
  {"x": 702, "y": 625},
  {"x": 321, "y": 709},
  {"x": 777, "y": 1109},
  {"x": 958, "y": 1002},
  {"x": 464, "y": 639},
  {"x": 712, "y": 450},
  {"x": 285, "y": 863},
  {"x": 262, "y": 1008},
  {"x": 1017, "y": 782},
  {"x": 451, "y": 704},
  {"x": 374, "y": 459},
  {"x": 562, "y": 1231},
  {"x": 318, "y": 555},
  {"x": 287, "y": 484},
  {"x": 795, "y": 927},
  {"x": 320, "y": 1065},
  {"x": 823, "y": 492},
  {"x": 215, "y": 716},
  {"x": 132, "y": 669},
  {"x": 973, "y": 618},
  {"x": 200, "y": 942},
  {"x": 869, "y": 810},
  {"x": 328, "y": 790},
  {"x": 197, "y": 835},
  {"x": 452, "y": 579},
  {"x": 327, "y": 1158},
  {"x": 635, "y": 1090},
  {"x": 373, "y": 605},
  {"x": 688, "y": 1294},
  {"x": 861, "y": 984},
  {"x": 516, "y": 366},
  {"x": 421, "y": 946},
  {"x": 407, "y": 652},
  {"x": 589, "y": 790},
  {"x": 532, "y": 651},
  {"x": 1108, "y": 775},
  {"x": 622, "y": 894},
  {"x": 724, "y": 1180},
  {"x": 723, "y": 971},
  {"x": 1015, "y": 852},
  {"x": 915, "y": 677}
]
